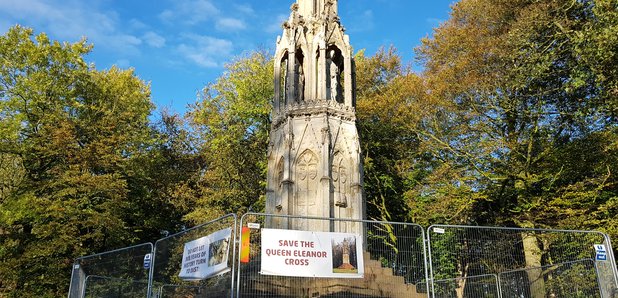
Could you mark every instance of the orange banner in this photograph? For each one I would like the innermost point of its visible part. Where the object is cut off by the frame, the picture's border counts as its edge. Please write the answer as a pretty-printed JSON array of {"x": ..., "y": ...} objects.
[{"x": 245, "y": 246}]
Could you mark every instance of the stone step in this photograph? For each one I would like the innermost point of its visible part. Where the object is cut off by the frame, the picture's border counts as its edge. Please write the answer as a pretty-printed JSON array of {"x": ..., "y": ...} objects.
[{"x": 377, "y": 281}]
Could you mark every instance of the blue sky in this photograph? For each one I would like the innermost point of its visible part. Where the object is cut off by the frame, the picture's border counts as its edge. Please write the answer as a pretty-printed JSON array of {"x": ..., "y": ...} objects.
[{"x": 181, "y": 45}]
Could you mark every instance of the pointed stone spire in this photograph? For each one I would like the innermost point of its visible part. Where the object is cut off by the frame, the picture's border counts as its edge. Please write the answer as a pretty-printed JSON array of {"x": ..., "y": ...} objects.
[
  {"x": 309, "y": 8},
  {"x": 314, "y": 57},
  {"x": 314, "y": 166}
]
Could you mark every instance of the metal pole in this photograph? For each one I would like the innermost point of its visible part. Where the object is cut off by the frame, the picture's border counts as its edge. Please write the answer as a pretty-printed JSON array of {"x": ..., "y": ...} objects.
[
  {"x": 72, "y": 276},
  {"x": 612, "y": 259},
  {"x": 83, "y": 294},
  {"x": 433, "y": 293},
  {"x": 153, "y": 250},
  {"x": 242, "y": 220},
  {"x": 425, "y": 260},
  {"x": 498, "y": 287},
  {"x": 234, "y": 240},
  {"x": 596, "y": 269}
]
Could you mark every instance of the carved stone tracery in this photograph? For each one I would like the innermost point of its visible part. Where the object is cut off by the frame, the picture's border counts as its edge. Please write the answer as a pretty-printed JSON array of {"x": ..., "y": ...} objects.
[
  {"x": 319, "y": 172},
  {"x": 339, "y": 172}
]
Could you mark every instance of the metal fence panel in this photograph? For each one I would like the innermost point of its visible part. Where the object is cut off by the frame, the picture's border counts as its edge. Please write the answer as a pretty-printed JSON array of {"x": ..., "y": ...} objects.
[
  {"x": 471, "y": 286},
  {"x": 166, "y": 279},
  {"x": 104, "y": 287},
  {"x": 117, "y": 273},
  {"x": 533, "y": 262},
  {"x": 463, "y": 262},
  {"x": 571, "y": 279},
  {"x": 393, "y": 255}
]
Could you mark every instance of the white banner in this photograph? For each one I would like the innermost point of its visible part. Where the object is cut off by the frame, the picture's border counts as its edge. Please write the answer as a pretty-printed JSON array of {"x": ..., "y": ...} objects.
[
  {"x": 206, "y": 256},
  {"x": 311, "y": 254}
]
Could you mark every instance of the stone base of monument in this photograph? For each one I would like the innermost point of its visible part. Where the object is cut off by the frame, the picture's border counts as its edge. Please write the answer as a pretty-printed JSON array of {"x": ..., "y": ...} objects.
[{"x": 377, "y": 282}]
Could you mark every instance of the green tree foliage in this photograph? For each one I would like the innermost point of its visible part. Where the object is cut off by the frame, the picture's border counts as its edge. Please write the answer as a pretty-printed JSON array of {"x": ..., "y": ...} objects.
[
  {"x": 232, "y": 122},
  {"x": 525, "y": 106},
  {"x": 159, "y": 176},
  {"x": 71, "y": 139},
  {"x": 513, "y": 122},
  {"x": 386, "y": 91},
  {"x": 406, "y": 177}
]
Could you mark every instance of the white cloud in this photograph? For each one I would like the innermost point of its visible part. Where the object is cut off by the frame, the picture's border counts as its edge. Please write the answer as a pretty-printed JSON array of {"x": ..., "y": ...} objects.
[
  {"x": 434, "y": 22},
  {"x": 72, "y": 20},
  {"x": 4, "y": 26},
  {"x": 206, "y": 51},
  {"x": 167, "y": 15},
  {"x": 363, "y": 22},
  {"x": 137, "y": 24},
  {"x": 123, "y": 63},
  {"x": 154, "y": 40},
  {"x": 245, "y": 8},
  {"x": 275, "y": 25},
  {"x": 230, "y": 24},
  {"x": 189, "y": 12}
]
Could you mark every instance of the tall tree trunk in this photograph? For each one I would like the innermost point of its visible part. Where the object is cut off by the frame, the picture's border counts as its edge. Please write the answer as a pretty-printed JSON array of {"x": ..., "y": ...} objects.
[
  {"x": 461, "y": 284},
  {"x": 533, "y": 254}
]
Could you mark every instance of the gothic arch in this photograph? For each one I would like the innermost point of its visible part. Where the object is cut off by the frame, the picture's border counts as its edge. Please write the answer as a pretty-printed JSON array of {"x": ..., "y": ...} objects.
[
  {"x": 279, "y": 182},
  {"x": 335, "y": 68},
  {"x": 281, "y": 68},
  {"x": 300, "y": 75},
  {"x": 306, "y": 183},
  {"x": 281, "y": 53},
  {"x": 307, "y": 166},
  {"x": 341, "y": 178}
]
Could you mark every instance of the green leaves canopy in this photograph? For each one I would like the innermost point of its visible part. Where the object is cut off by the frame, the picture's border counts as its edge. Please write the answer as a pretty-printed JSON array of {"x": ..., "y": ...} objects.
[
  {"x": 232, "y": 121},
  {"x": 529, "y": 109},
  {"x": 68, "y": 134}
]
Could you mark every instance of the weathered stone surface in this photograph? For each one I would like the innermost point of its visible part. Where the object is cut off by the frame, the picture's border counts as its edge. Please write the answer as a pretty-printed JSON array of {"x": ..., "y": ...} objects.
[
  {"x": 314, "y": 162},
  {"x": 377, "y": 282},
  {"x": 314, "y": 157}
]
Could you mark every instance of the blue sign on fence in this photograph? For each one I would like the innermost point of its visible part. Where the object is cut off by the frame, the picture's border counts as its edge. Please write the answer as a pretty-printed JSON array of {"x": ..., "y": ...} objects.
[
  {"x": 147, "y": 261},
  {"x": 601, "y": 257},
  {"x": 601, "y": 252}
]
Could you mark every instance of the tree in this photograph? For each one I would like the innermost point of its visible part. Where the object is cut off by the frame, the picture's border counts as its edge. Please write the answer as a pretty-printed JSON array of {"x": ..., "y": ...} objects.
[
  {"x": 524, "y": 101},
  {"x": 73, "y": 132},
  {"x": 232, "y": 122},
  {"x": 519, "y": 98},
  {"x": 387, "y": 92}
]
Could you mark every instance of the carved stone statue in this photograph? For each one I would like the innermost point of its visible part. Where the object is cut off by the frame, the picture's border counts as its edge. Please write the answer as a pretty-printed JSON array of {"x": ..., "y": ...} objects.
[
  {"x": 300, "y": 79},
  {"x": 346, "y": 251},
  {"x": 340, "y": 180},
  {"x": 345, "y": 255},
  {"x": 280, "y": 169},
  {"x": 334, "y": 75},
  {"x": 284, "y": 80}
]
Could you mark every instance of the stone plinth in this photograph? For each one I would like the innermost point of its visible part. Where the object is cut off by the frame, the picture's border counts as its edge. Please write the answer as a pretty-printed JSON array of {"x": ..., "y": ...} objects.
[{"x": 377, "y": 282}]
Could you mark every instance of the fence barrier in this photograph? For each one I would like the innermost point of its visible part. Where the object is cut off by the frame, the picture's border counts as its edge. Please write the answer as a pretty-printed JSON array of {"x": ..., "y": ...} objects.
[
  {"x": 117, "y": 273},
  {"x": 474, "y": 286},
  {"x": 173, "y": 276},
  {"x": 352, "y": 258},
  {"x": 393, "y": 255},
  {"x": 527, "y": 262},
  {"x": 101, "y": 286},
  {"x": 570, "y": 279}
]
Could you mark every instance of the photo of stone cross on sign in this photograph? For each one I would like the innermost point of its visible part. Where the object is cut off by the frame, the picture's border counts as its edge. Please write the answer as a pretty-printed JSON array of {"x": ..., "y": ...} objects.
[{"x": 344, "y": 255}]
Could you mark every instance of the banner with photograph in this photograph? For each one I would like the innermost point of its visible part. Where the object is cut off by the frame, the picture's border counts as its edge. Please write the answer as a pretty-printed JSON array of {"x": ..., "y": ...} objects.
[
  {"x": 311, "y": 254},
  {"x": 206, "y": 256}
]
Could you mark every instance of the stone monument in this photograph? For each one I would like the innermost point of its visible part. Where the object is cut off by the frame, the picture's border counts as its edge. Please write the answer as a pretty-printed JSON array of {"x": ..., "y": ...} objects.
[{"x": 314, "y": 158}]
